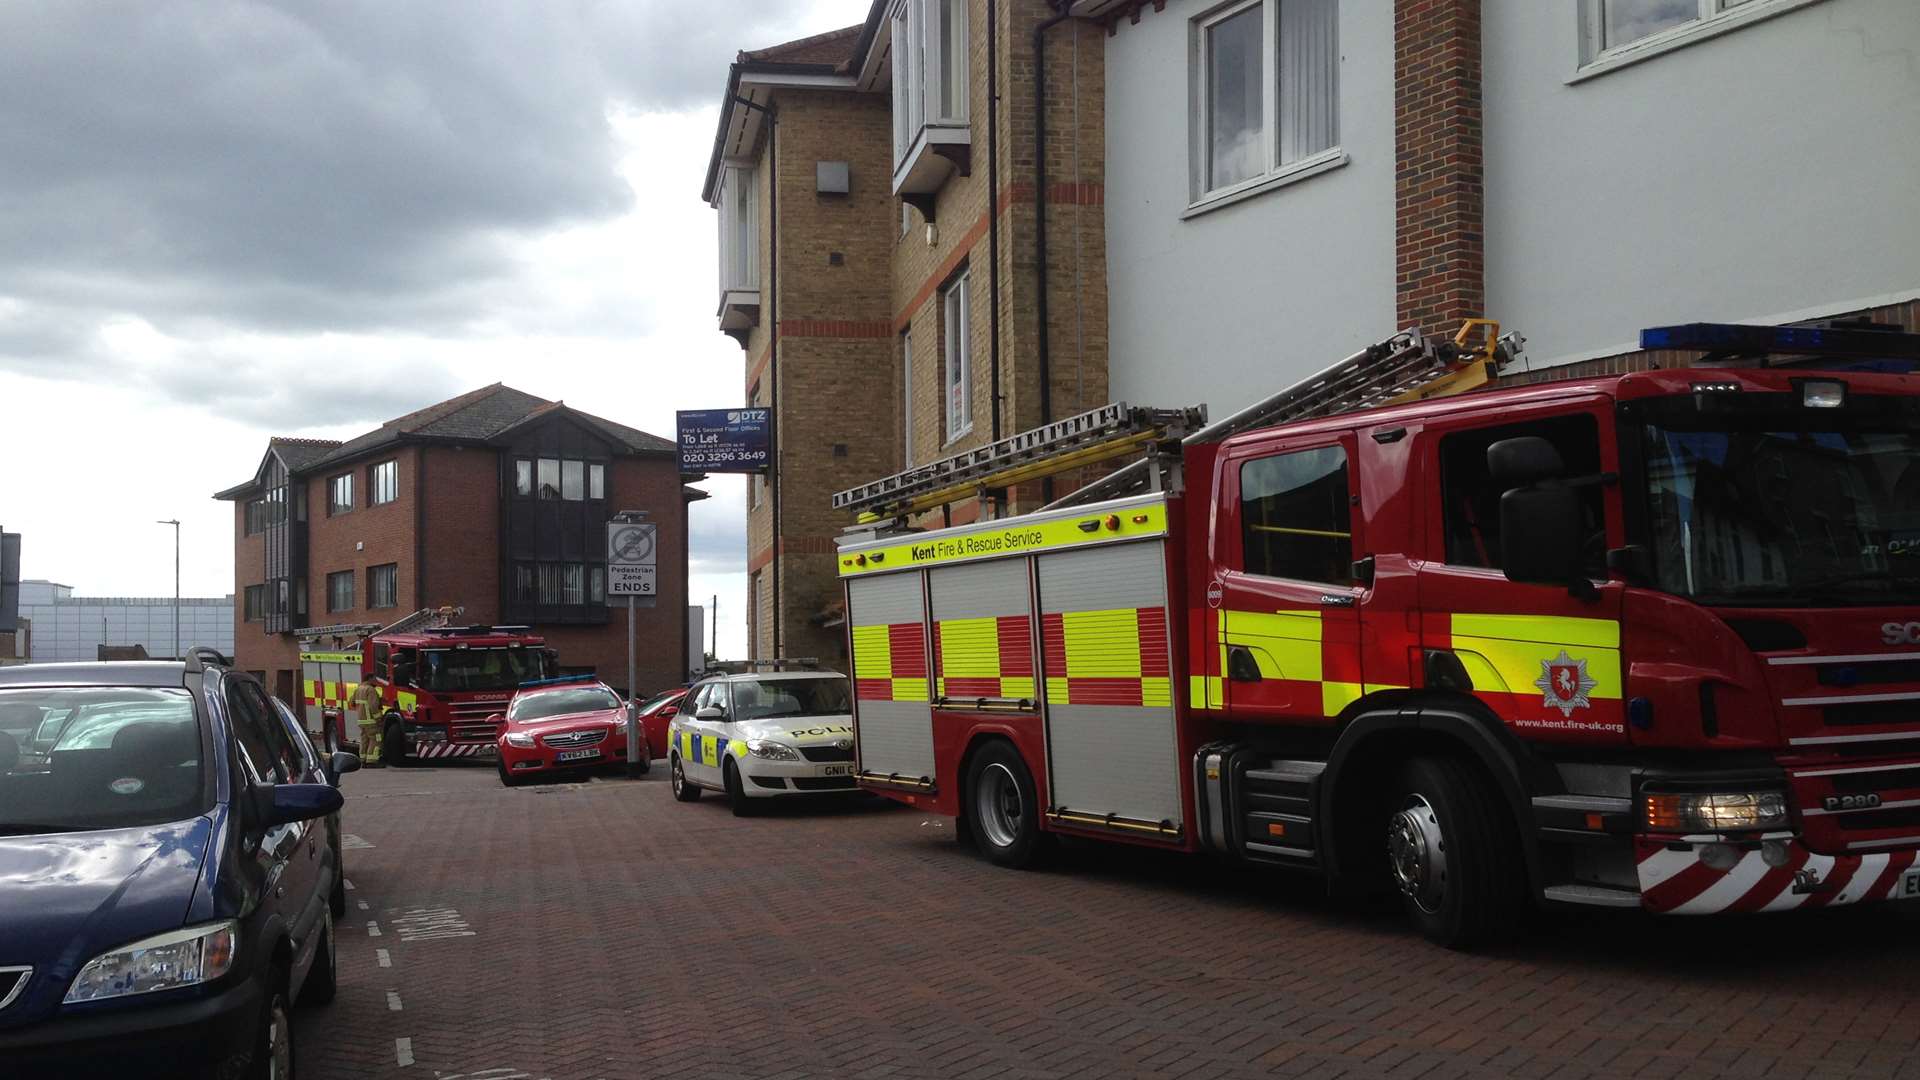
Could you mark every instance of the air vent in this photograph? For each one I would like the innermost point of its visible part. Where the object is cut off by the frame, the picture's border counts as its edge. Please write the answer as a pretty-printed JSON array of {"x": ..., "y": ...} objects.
[{"x": 1768, "y": 635}]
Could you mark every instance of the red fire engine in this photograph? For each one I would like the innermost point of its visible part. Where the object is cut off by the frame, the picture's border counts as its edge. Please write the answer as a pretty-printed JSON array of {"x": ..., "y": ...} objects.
[
  {"x": 440, "y": 685},
  {"x": 1646, "y": 641}
]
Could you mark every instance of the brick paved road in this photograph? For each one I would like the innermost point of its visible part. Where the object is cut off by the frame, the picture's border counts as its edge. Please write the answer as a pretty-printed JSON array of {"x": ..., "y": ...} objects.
[{"x": 603, "y": 930}]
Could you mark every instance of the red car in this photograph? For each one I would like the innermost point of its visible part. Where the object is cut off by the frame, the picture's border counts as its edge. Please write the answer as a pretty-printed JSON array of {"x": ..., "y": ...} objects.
[
  {"x": 657, "y": 715},
  {"x": 562, "y": 727}
]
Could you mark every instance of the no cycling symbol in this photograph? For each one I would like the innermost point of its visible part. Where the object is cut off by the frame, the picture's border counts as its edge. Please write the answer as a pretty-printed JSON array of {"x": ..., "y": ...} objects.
[{"x": 633, "y": 544}]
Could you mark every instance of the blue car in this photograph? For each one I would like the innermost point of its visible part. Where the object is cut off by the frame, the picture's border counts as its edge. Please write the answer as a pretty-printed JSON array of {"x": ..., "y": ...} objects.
[{"x": 169, "y": 871}]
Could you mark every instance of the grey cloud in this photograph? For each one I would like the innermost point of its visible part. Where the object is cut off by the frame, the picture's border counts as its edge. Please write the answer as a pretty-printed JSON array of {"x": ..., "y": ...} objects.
[{"x": 288, "y": 168}]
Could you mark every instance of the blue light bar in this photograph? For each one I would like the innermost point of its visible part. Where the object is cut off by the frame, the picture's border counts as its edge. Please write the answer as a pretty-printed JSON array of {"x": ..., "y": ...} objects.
[
  {"x": 1743, "y": 340},
  {"x": 559, "y": 680}
]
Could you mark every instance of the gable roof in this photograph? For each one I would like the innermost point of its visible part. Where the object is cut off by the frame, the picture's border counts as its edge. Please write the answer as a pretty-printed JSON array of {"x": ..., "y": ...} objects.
[
  {"x": 833, "y": 47},
  {"x": 835, "y": 53},
  {"x": 478, "y": 416}
]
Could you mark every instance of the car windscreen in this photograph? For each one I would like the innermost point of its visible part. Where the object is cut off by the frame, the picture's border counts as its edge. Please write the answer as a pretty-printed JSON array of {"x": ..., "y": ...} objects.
[
  {"x": 756, "y": 699},
  {"x": 126, "y": 756},
  {"x": 445, "y": 670},
  {"x": 563, "y": 702}
]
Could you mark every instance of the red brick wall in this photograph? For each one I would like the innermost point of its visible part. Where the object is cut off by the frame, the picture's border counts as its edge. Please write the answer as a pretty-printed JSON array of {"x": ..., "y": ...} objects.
[
  {"x": 461, "y": 496},
  {"x": 1439, "y": 191},
  {"x": 364, "y": 537}
]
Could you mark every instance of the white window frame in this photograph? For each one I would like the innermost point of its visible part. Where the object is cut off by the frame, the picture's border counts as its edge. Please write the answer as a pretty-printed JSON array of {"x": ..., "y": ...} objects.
[
  {"x": 737, "y": 198},
  {"x": 1716, "y": 17},
  {"x": 956, "y": 318},
  {"x": 1274, "y": 173},
  {"x": 920, "y": 79}
]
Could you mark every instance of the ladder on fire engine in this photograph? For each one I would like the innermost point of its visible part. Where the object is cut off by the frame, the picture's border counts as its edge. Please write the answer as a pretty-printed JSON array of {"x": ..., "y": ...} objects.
[
  {"x": 407, "y": 624},
  {"x": 1409, "y": 366}
]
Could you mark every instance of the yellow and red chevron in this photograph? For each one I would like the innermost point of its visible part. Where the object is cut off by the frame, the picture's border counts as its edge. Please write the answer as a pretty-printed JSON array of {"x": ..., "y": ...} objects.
[
  {"x": 1113, "y": 657},
  {"x": 890, "y": 662},
  {"x": 989, "y": 657}
]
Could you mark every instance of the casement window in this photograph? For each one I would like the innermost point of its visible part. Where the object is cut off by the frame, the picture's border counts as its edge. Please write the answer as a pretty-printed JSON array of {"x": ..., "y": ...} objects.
[
  {"x": 559, "y": 479},
  {"x": 1613, "y": 32},
  {"x": 930, "y": 59},
  {"x": 1470, "y": 495},
  {"x": 383, "y": 586},
  {"x": 957, "y": 338},
  {"x": 383, "y": 483},
  {"x": 255, "y": 603},
  {"x": 340, "y": 494},
  {"x": 340, "y": 591},
  {"x": 738, "y": 199},
  {"x": 753, "y": 615},
  {"x": 1265, "y": 93},
  {"x": 559, "y": 583},
  {"x": 1295, "y": 516},
  {"x": 256, "y": 516}
]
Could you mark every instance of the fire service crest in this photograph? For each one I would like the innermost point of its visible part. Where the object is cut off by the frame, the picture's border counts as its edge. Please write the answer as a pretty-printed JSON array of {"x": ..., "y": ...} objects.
[{"x": 1565, "y": 683}]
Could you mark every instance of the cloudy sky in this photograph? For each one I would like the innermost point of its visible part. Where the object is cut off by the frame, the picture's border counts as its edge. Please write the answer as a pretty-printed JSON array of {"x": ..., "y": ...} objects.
[{"x": 222, "y": 220}]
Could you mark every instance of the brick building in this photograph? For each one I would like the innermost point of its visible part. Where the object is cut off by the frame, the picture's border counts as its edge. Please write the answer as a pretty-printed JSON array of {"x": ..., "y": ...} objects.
[
  {"x": 495, "y": 500},
  {"x": 883, "y": 266}
]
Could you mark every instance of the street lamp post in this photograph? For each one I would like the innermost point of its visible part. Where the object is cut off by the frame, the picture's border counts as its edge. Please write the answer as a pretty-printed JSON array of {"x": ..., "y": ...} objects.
[{"x": 175, "y": 522}]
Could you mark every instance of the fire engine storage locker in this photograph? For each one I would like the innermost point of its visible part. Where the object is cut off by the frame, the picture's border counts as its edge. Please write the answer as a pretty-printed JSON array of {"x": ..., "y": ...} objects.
[
  {"x": 888, "y": 616},
  {"x": 1111, "y": 744},
  {"x": 328, "y": 681},
  {"x": 983, "y": 634}
]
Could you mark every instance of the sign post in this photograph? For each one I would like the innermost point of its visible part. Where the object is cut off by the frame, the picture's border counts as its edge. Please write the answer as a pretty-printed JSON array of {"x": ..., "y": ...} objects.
[{"x": 632, "y": 546}]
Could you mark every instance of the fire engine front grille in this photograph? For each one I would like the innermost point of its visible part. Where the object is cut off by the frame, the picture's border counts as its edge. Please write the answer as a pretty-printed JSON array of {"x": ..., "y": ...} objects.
[
  {"x": 1873, "y": 712},
  {"x": 827, "y": 753},
  {"x": 569, "y": 739},
  {"x": 475, "y": 731}
]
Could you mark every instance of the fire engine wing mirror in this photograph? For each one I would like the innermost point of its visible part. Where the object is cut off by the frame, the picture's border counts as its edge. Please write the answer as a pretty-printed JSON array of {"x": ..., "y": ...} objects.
[
  {"x": 711, "y": 712},
  {"x": 1540, "y": 536}
]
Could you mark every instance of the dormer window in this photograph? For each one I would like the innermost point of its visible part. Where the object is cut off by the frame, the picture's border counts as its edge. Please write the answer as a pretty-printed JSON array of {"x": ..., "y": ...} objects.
[
  {"x": 930, "y": 134},
  {"x": 737, "y": 199}
]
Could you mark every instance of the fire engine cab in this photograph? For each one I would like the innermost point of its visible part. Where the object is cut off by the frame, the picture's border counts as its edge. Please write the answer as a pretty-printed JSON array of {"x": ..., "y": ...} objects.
[
  {"x": 1639, "y": 641},
  {"x": 440, "y": 686}
]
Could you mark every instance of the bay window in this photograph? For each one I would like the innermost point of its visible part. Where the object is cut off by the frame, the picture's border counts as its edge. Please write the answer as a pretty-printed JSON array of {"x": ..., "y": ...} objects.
[
  {"x": 930, "y": 90},
  {"x": 737, "y": 198}
]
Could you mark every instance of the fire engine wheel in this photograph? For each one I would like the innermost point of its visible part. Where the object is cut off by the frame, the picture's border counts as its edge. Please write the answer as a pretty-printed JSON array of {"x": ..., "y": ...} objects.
[
  {"x": 1450, "y": 853},
  {"x": 737, "y": 797},
  {"x": 393, "y": 745},
  {"x": 683, "y": 789},
  {"x": 1003, "y": 810}
]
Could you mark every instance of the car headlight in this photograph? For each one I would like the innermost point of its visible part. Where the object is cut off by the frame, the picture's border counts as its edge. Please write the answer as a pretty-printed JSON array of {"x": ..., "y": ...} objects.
[
  {"x": 521, "y": 739},
  {"x": 169, "y": 961},
  {"x": 772, "y": 751},
  {"x": 1718, "y": 811}
]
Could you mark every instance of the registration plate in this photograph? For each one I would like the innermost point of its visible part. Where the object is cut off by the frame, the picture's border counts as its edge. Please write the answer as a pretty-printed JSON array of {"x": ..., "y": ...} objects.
[
  {"x": 1909, "y": 885},
  {"x": 576, "y": 755},
  {"x": 836, "y": 770}
]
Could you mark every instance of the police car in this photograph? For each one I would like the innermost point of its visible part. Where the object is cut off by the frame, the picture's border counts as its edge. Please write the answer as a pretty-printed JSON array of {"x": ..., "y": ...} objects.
[{"x": 762, "y": 735}]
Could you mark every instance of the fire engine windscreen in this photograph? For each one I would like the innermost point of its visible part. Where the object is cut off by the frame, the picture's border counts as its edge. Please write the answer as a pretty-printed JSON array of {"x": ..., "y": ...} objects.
[
  {"x": 445, "y": 670},
  {"x": 1762, "y": 501}
]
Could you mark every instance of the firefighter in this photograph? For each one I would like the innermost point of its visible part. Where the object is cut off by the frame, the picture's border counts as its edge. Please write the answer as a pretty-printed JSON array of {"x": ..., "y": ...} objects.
[{"x": 368, "y": 700}]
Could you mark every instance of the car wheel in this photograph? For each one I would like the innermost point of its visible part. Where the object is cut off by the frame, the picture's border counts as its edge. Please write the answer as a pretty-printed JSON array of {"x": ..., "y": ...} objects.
[
  {"x": 683, "y": 789},
  {"x": 1450, "y": 853},
  {"x": 736, "y": 792},
  {"x": 322, "y": 979},
  {"x": 1003, "y": 810},
  {"x": 507, "y": 779},
  {"x": 273, "y": 1044},
  {"x": 393, "y": 745}
]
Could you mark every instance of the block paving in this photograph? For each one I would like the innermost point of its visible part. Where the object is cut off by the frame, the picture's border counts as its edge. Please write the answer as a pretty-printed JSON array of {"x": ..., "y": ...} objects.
[{"x": 617, "y": 933}]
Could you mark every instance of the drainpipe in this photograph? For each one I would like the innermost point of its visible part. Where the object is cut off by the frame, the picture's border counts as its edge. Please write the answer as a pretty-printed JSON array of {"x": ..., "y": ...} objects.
[
  {"x": 773, "y": 353},
  {"x": 1043, "y": 353},
  {"x": 993, "y": 213}
]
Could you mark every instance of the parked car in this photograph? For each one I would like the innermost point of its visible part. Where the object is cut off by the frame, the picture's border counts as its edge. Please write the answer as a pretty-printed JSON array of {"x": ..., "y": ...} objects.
[
  {"x": 762, "y": 735},
  {"x": 164, "y": 892},
  {"x": 323, "y": 760},
  {"x": 562, "y": 725},
  {"x": 656, "y": 716}
]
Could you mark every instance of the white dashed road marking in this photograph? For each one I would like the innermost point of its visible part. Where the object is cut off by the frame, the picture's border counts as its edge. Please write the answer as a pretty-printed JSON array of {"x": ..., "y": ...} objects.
[
  {"x": 393, "y": 1001},
  {"x": 403, "y": 1051},
  {"x": 362, "y": 903},
  {"x": 373, "y": 929},
  {"x": 350, "y": 842},
  {"x": 348, "y": 882},
  {"x": 430, "y": 924},
  {"x": 381, "y": 956}
]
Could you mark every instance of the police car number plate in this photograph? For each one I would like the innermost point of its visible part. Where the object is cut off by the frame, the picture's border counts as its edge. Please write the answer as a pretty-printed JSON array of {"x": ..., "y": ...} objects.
[
  {"x": 1909, "y": 885},
  {"x": 836, "y": 770},
  {"x": 576, "y": 755}
]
